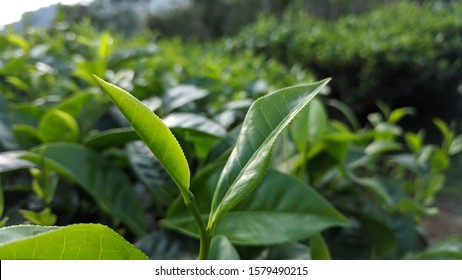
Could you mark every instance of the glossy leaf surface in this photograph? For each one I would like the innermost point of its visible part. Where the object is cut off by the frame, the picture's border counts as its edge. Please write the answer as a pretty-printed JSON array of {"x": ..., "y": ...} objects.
[
  {"x": 248, "y": 162},
  {"x": 10, "y": 161},
  {"x": 74, "y": 242},
  {"x": 195, "y": 123},
  {"x": 153, "y": 132},
  {"x": 282, "y": 209}
]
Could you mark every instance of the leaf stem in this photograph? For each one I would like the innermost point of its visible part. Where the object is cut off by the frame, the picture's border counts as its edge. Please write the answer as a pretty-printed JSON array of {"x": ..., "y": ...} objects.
[{"x": 203, "y": 235}]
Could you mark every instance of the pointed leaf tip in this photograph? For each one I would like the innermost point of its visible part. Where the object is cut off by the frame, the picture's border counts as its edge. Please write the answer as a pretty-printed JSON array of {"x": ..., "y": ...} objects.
[
  {"x": 247, "y": 164},
  {"x": 154, "y": 133}
]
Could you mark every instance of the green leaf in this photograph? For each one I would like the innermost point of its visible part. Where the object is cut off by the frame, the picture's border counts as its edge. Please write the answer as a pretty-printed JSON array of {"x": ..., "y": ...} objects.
[
  {"x": 58, "y": 126},
  {"x": 414, "y": 141},
  {"x": 382, "y": 146},
  {"x": 19, "y": 41},
  {"x": 250, "y": 158},
  {"x": 386, "y": 189},
  {"x": 382, "y": 236},
  {"x": 349, "y": 114},
  {"x": 44, "y": 184},
  {"x": 194, "y": 123},
  {"x": 43, "y": 218},
  {"x": 149, "y": 171},
  {"x": 84, "y": 107},
  {"x": 283, "y": 209},
  {"x": 106, "y": 183},
  {"x": 168, "y": 245},
  {"x": 443, "y": 127},
  {"x": 105, "y": 46},
  {"x": 319, "y": 249},
  {"x": 182, "y": 95},
  {"x": 439, "y": 160},
  {"x": 7, "y": 138},
  {"x": 309, "y": 126},
  {"x": 399, "y": 113},
  {"x": 123, "y": 56},
  {"x": 222, "y": 249},
  {"x": 455, "y": 146},
  {"x": 116, "y": 137},
  {"x": 449, "y": 249},
  {"x": 154, "y": 133},
  {"x": 27, "y": 135},
  {"x": 74, "y": 242}
]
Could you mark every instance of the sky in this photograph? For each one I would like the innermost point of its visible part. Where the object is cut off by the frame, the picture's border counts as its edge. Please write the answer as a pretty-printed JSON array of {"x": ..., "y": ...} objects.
[{"x": 11, "y": 11}]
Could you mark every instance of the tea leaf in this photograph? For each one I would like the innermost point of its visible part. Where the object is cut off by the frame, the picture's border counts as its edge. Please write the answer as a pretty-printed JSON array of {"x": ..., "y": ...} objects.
[
  {"x": 74, "y": 242},
  {"x": 250, "y": 158},
  {"x": 57, "y": 126},
  {"x": 106, "y": 183},
  {"x": 449, "y": 249},
  {"x": 222, "y": 249},
  {"x": 153, "y": 132},
  {"x": 283, "y": 209},
  {"x": 319, "y": 249}
]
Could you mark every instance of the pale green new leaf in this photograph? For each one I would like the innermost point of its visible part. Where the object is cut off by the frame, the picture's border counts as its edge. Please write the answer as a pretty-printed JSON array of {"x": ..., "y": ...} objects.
[
  {"x": 153, "y": 132},
  {"x": 74, "y": 242},
  {"x": 250, "y": 158}
]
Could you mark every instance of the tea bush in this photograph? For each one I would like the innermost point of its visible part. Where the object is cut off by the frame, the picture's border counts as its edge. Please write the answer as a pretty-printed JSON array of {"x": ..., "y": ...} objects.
[
  {"x": 404, "y": 53},
  {"x": 219, "y": 155}
]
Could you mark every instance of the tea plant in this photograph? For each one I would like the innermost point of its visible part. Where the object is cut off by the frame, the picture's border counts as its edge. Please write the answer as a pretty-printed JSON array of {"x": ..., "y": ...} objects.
[
  {"x": 245, "y": 168},
  {"x": 219, "y": 175}
]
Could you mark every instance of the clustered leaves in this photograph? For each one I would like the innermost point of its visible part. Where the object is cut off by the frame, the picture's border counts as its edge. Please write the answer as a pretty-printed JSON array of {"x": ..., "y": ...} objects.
[{"x": 200, "y": 157}]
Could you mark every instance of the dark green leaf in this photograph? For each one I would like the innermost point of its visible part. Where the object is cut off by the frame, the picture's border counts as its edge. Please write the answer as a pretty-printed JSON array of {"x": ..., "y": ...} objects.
[
  {"x": 116, "y": 137},
  {"x": 281, "y": 210},
  {"x": 107, "y": 184},
  {"x": 222, "y": 249}
]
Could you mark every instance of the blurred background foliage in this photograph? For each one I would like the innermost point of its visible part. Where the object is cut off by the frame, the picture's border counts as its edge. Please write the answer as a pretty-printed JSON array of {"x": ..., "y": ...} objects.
[{"x": 381, "y": 145}]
